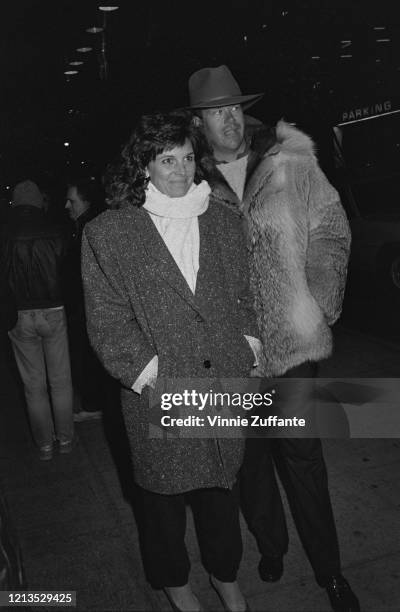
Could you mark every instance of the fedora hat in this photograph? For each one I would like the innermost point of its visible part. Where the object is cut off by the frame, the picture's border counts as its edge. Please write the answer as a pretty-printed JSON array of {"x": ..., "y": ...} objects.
[{"x": 214, "y": 87}]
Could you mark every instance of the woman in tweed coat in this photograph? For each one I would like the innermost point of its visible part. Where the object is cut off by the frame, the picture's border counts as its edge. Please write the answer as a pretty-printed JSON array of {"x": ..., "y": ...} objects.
[{"x": 166, "y": 290}]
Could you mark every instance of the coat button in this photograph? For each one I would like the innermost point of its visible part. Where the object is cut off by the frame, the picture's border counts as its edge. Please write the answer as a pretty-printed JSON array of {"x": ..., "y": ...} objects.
[{"x": 207, "y": 363}]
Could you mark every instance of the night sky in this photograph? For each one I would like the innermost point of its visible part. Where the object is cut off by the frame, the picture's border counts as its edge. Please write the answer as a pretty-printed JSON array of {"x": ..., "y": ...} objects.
[{"x": 290, "y": 50}]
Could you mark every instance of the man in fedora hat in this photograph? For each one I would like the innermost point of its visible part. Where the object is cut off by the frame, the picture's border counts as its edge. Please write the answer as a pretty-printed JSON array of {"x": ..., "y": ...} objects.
[{"x": 299, "y": 240}]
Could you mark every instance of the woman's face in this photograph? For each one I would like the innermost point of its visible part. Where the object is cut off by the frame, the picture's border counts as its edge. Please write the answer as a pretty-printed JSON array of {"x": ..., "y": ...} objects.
[{"x": 172, "y": 172}]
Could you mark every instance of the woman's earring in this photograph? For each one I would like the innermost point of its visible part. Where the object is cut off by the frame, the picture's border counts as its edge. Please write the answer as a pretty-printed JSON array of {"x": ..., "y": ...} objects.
[{"x": 146, "y": 173}]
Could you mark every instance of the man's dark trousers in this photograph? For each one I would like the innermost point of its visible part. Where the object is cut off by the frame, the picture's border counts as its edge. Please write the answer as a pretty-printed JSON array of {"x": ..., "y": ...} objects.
[{"x": 302, "y": 471}]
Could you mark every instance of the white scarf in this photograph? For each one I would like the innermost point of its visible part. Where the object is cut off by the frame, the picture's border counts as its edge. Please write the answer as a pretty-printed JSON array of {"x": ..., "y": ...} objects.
[
  {"x": 193, "y": 204},
  {"x": 176, "y": 220}
]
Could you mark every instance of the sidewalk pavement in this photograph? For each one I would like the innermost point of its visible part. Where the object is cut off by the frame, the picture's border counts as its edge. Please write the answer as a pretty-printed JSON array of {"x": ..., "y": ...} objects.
[{"x": 77, "y": 529}]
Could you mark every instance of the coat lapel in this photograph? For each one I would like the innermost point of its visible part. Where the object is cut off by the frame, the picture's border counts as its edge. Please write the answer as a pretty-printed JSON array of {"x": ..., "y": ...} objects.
[
  {"x": 207, "y": 253},
  {"x": 162, "y": 259},
  {"x": 211, "y": 276}
]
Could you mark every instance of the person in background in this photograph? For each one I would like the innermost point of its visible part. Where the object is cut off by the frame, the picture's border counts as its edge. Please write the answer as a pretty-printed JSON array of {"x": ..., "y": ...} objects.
[
  {"x": 167, "y": 297},
  {"x": 32, "y": 257},
  {"x": 84, "y": 201},
  {"x": 8, "y": 318},
  {"x": 299, "y": 240},
  {"x": 8, "y": 306}
]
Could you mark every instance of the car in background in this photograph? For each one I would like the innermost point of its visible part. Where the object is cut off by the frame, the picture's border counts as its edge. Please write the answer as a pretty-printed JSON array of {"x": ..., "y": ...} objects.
[
  {"x": 367, "y": 176},
  {"x": 372, "y": 204}
]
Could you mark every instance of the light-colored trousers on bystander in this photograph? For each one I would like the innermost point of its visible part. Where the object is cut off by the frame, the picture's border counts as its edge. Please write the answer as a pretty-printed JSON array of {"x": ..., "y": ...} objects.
[{"x": 40, "y": 345}]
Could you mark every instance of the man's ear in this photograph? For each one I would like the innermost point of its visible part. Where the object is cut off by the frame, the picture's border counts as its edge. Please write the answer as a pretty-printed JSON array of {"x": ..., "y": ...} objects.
[{"x": 197, "y": 121}]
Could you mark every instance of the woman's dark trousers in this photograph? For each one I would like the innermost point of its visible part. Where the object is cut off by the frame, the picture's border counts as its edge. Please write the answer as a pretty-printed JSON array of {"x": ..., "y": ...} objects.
[{"x": 163, "y": 525}]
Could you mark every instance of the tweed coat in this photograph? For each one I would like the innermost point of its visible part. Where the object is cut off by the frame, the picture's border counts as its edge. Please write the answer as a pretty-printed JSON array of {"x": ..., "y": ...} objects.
[
  {"x": 138, "y": 305},
  {"x": 299, "y": 242}
]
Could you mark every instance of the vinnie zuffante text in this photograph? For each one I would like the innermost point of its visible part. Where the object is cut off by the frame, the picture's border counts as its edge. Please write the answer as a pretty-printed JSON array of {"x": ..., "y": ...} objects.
[{"x": 246, "y": 401}]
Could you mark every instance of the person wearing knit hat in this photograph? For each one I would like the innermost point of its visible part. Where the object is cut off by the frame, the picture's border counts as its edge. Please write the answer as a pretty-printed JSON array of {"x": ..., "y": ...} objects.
[
  {"x": 32, "y": 255},
  {"x": 27, "y": 193}
]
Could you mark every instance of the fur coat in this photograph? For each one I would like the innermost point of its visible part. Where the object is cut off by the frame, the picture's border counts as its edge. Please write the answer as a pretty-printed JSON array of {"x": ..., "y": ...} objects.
[{"x": 299, "y": 241}]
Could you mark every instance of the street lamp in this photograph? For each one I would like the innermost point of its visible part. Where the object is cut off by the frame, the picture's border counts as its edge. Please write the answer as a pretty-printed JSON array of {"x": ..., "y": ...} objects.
[
  {"x": 94, "y": 30},
  {"x": 103, "y": 55}
]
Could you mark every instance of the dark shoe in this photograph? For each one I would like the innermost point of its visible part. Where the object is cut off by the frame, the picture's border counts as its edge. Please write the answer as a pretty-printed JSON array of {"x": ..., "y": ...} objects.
[
  {"x": 270, "y": 568},
  {"x": 340, "y": 594},
  {"x": 221, "y": 597}
]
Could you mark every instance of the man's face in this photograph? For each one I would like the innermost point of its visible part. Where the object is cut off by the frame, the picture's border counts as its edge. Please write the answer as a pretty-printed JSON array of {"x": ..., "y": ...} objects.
[
  {"x": 224, "y": 130},
  {"x": 75, "y": 205}
]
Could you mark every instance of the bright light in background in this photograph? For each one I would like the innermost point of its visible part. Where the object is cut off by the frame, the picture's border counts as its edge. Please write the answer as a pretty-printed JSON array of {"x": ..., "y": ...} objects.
[
  {"x": 69, "y": 72},
  {"x": 94, "y": 30},
  {"x": 75, "y": 63},
  {"x": 66, "y": 144},
  {"x": 84, "y": 49},
  {"x": 108, "y": 8}
]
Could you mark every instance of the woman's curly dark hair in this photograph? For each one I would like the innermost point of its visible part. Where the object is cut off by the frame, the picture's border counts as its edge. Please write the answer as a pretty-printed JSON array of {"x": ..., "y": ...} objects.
[{"x": 126, "y": 181}]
